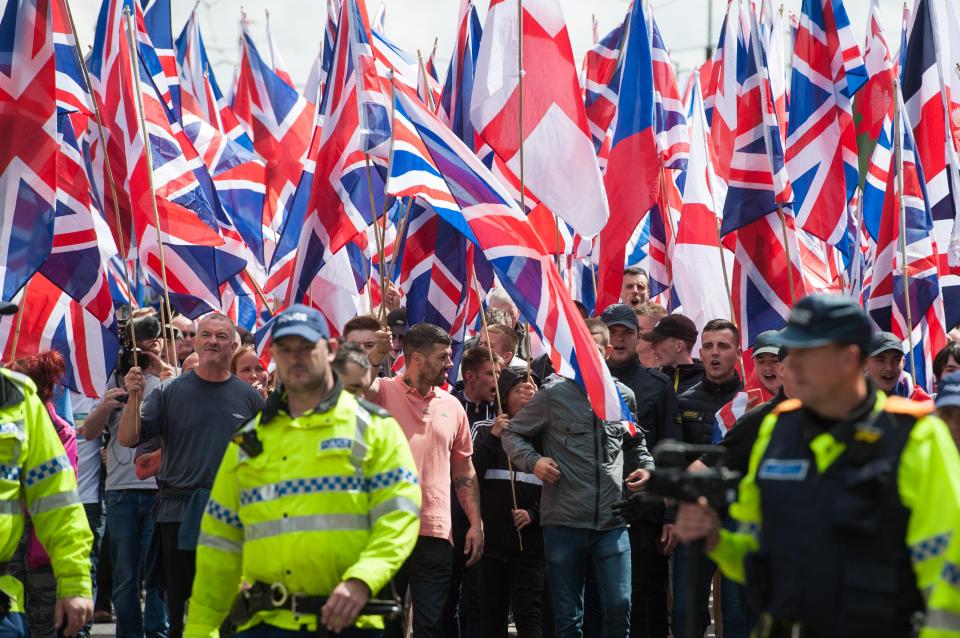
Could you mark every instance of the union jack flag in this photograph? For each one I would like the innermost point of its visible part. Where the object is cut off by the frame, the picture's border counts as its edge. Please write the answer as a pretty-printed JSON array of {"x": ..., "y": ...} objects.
[
  {"x": 728, "y": 415},
  {"x": 276, "y": 61},
  {"x": 72, "y": 92},
  {"x": 337, "y": 208},
  {"x": 602, "y": 85},
  {"x": 821, "y": 142},
  {"x": 458, "y": 88},
  {"x": 281, "y": 123},
  {"x": 931, "y": 92},
  {"x": 872, "y": 101},
  {"x": 673, "y": 140},
  {"x": 28, "y": 157},
  {"x": 757, "y": 177},
  {"x": 905, "y": 290},
  {"x": 159, "y": 26},
  {"x": 430, "y": 162},
  {"x": 197, "y": 80},
  {"x": 51, "y": 320}
]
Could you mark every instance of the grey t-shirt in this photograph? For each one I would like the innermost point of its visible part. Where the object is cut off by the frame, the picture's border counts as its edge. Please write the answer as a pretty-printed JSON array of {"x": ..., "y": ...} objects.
[
  {"x": 121, "y": 472},
  {"x": 195, "y": 419}
]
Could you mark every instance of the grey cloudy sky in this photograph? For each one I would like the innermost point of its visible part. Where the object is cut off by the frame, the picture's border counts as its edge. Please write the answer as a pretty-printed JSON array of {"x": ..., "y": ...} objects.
[{"x": 297, "y": 26}]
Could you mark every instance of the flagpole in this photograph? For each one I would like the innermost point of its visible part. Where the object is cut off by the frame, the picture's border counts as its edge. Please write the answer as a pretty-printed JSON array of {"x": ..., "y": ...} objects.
[
  {"x": 257, "y": 289},
  {"x": 898, "y": 158},
  {"x": 20, "y": 311},
  {"x": 400, "y": 236},
  {"x": 426, "y": 84},
  {"x": 379, "y": 242},
  {"x": 132, "y": 35},
  {"x": 103, "y": 140},
  {"x": 493, "y": 362}
]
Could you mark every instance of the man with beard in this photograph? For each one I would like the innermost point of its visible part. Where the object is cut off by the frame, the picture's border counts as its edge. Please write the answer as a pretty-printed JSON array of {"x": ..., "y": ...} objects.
[
  {"x": 439, "y": 434},
  {"x": 195, "y": 415}
]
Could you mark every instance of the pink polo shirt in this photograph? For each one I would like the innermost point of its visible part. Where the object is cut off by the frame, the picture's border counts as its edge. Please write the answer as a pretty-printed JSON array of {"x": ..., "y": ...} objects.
[{"x": 438, "y": 431}]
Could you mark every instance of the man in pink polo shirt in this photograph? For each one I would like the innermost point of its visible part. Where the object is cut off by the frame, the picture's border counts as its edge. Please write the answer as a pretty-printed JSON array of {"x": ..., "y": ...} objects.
[{"x": 436, "y": 426}]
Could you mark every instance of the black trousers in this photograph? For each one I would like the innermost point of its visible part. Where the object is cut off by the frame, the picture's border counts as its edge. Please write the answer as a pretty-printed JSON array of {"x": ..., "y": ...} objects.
[
  {"x": 178, "y": 571},
  {"x": 511, "y": 583},
  {"x": 650, "y": 576},
  {"x": 427, "y": 573},
  {"x": 463, "y": 609}
]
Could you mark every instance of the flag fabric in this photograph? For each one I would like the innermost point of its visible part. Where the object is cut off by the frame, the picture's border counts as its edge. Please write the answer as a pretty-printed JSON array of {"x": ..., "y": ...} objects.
[
  {"x": 728, "y": 415},
  {"x": 431, "y": 163},
  {"x": 560, "y": 163},
  {"x": 873, "y": 100},
  {"x": 602, "y": 83},
  {"x": 198, "y": 81},
  {"x": 931, "y": 88},
  {"x": 331, "y": 210},
  {"x": 458, "y": 87},
  {"x": 159, "y": 26},
  {"x": 28, "y": 157},
  {"x": 317, "y": 79},
  {"x": 673, "y": 140},
  {"x": 51, "y": 320},
  {"x": 905, "y": 297},
  {"x": 699, "y": 260},
  {"x": 821, "y": 151},
  {"x": 772, "y": 29},
  {"x": 72, "y": 91},
  {"x": 276, "y": 60},
  {"x": 633, "y": 171},
  {"x": 757, "y": 178},
  {"x": 281, "y": 124}
]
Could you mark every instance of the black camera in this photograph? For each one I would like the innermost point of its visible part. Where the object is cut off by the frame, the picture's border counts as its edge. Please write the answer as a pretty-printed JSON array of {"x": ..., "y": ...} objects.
[
  {"x": 144, "y": 329},
  {"x": 672, "y": 480}
]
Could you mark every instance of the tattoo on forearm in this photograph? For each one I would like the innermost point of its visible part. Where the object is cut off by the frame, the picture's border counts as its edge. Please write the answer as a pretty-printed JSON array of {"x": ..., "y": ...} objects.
[
  {"x": 468, "y": 493},
  {"x": 461, "y": 482}
]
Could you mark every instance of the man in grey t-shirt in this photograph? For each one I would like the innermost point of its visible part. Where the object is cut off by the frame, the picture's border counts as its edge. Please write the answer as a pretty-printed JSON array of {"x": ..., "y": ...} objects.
[{"x": 195, "y": 416}]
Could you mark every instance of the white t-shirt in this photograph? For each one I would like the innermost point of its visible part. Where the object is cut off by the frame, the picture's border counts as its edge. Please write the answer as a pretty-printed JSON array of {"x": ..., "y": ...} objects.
[{"x": 88, "y": 452}]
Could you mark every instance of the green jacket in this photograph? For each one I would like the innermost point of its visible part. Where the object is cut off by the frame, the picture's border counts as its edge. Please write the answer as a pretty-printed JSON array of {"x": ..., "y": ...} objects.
[
  {"x": 35, "y": 471},
  {"x": 333, "y": 495},
  {"x": 928, "y": 481}
]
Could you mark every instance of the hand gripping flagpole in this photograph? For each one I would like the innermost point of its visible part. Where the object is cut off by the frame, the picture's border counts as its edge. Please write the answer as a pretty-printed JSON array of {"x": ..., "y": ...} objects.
[
  {"x": 493, "y": 362},
  {"x": 134, "y": 62},
  {"x": 98, "y": 118},
  {"x": 901, "y": 214}
]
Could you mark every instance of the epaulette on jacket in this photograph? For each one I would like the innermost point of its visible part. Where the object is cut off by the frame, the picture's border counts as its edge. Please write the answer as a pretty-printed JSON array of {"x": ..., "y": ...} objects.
[
  {"x": 789, "y": 405},
  {"x": 899, "y": 405},
  {"x": 13, "y": 388},
  {"x": 373, "y": 408}
]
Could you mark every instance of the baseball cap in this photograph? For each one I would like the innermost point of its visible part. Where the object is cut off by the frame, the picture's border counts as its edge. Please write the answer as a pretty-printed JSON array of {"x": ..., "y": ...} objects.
[
  {"x": 766, "y": 343},
  {"x": 676, "y": 326},
  {"x": 7, "y": 308},
  {"x": 821, "y": 319},
  {"x": 948, "y": 391},
  {"x": 883, "y": 341},
  {"x": 397, "y": 321},
  {"x": 620, "y": 314},
  {"x": 301, "y": 321}
]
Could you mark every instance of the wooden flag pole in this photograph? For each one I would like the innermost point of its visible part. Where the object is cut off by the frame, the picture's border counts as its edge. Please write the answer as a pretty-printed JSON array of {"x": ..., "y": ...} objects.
[
  {"x": 132, "y": 36},
  {"x": 400, "y": 236},
  {"x": 20, "y": 311},
  {"x": 901, "y": 213},
  {"x": 379, "y": 241},
  {"x": 426, "y": 84},
  {"x": 486, "y": 334}
]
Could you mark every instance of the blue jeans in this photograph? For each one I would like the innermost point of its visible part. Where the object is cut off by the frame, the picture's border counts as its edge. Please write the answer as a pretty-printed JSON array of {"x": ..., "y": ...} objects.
[
  {"x": 571, "y": 554},
  {"x": 13, "y": 625},
  {"x": 130, "y": 522},
  {"x": 263, "y": 630},
  {"x": 733, "y": 600}
]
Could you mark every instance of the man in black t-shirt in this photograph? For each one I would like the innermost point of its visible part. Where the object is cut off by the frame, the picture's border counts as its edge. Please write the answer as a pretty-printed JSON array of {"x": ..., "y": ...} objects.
[{"x": 195, "y": 416}]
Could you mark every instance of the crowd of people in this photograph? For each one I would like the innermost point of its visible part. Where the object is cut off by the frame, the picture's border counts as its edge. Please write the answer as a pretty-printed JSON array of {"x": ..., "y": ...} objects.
[{"x": 218, "y": 489}]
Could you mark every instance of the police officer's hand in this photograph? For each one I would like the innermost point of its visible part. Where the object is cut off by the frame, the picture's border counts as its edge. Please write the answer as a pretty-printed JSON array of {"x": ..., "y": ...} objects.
[
  {"x": 698, "y": 521},
  {"x": 72, "y": 613},
  {"x": 113, "y": 398},
  {"x": 344, "y": 604},
  {"x": 473, "y": 546},
  {"x": 133, "y": 382},
  {"x": 547, "y": 470}
]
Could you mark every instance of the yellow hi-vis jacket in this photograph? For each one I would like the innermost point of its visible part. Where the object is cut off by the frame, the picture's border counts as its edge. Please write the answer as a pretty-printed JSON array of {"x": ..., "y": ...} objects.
[
  {"x": 333, "y": 495},
  {"x": 35, "y": 472},
  {"x": 928, "y": 482}
]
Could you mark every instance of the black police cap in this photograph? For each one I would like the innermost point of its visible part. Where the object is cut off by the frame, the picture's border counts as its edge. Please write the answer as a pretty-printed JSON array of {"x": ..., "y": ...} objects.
[{"x": 822, "y": 319}]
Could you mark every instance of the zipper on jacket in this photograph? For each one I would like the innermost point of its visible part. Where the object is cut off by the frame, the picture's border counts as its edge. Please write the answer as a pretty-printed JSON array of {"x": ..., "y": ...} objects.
[{"x": 596, "y": 459}]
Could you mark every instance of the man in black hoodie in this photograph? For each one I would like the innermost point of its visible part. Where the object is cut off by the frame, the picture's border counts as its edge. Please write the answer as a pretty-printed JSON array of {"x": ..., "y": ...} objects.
[
  {"x": 510, "y": 577},
  {"x": 673, "y": 339},
  {"x": 720, "y": 351},
  {"x": 656, "y": 415}
]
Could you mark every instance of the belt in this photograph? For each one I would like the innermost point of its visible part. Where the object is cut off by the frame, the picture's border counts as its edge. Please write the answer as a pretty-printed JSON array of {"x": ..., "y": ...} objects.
[{"x": 264, "y": 597}]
